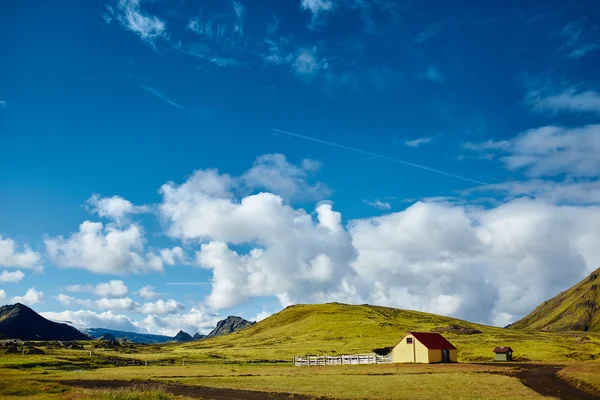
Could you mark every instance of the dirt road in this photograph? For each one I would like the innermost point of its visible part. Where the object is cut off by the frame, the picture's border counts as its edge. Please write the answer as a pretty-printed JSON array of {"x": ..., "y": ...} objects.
[
  {"x": 542, "y": 378},
  {"x": 195, "y": 392}
]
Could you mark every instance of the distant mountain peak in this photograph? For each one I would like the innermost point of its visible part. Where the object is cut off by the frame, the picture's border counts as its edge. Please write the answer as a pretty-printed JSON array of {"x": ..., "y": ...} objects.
[
  {"x": 198, "y": 336},
  {"x": 181, "y": 337},
  {"x": 229, "y": 325},
  {"x": 17, "y": 321}
]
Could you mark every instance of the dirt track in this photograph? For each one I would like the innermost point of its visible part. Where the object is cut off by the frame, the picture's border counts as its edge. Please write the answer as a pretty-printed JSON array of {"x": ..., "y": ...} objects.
[
  {"x": 542, "y": 378},
  {"x": 196, "y": 392}
]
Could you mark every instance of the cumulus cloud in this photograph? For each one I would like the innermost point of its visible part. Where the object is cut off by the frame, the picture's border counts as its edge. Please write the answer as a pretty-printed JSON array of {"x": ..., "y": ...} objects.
[
  {"x": 91, "y": 319},
  {"x": 161, "y": 307},
  {"x": 274, "y": 173},
  {"x": 112, "y": 289},
  {"x": 31, "y": 297},
  {"x": 290, "y": 252},
  {"x": 129, "y": 15},
  {"x": 102, "y": 249},
  {"x": 10, "y": 256},
  {"x": 121, "y": 304},
  {"x": 569, "y": 100},
  {"x": 69, "y": 301},
  {"x": 147, "y": 293},
  {"x": 115, "y": 207},
  {"x": 11, "y": 277},
  {"x": 196, "y": 320},
  {"x": 487, "y": 264},
  {"x": 2, "y": 295},
  {"x": 418, "y": 142},
  {"x": 79, "y": 288},
  {"x": 551, "y": 150}
]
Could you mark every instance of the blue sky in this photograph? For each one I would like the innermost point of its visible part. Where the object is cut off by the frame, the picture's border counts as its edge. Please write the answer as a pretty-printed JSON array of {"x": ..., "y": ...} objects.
[{"x": 443, "y": 157}]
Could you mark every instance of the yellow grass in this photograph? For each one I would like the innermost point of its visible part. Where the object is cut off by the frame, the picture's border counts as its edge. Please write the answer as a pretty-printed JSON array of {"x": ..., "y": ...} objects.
[{"x": 586, "y": 375}]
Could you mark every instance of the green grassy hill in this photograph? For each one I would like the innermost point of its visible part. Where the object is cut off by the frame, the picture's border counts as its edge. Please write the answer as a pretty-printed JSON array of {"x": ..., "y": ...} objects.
[
  {"x": 577, "y": 309},
  {"x": 347, "y": 329}
]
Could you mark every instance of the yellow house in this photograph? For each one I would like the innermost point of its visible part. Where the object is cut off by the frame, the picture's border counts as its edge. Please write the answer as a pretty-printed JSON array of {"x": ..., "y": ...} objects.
[{"x": 424, "y": 347}]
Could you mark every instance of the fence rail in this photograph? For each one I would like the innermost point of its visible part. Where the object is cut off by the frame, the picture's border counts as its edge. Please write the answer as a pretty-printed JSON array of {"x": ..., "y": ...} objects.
[{"x": 353, "y": 359}]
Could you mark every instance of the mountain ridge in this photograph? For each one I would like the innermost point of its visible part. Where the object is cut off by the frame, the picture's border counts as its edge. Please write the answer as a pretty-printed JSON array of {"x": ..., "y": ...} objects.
[
  {"x": 575, "y": 309},
  {"x": 17, "y": 321},
  {"x": 229, "y": 325}
]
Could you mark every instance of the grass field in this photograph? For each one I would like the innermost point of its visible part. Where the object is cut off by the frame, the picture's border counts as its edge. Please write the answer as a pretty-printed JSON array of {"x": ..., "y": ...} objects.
[
  {"x": 334, "y": 329},
  {"x": 348, "y": 382},
  {"x": 259, "y": 358}
]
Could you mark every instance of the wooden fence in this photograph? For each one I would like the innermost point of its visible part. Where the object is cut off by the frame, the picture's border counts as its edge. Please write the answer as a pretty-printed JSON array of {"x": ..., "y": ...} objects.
[{"x": 354, "y": 359}]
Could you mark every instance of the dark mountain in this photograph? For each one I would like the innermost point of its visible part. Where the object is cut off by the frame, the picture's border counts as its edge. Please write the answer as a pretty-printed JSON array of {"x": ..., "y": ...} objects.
[
  {"x": 181, "y": 337},
  {"x": 229, "y": 325},
  {"x": 21, "y": 322},
  {"x": 576, "y": 309},
  {"x": 107, "y": 336},
  {"x": 198, "y": 336},
  {"x": 132, "y": 336}
]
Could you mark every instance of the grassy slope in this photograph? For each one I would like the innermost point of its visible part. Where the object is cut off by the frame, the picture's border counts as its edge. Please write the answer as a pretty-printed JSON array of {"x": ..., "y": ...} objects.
[
  {"x": 575, "y": 309},
  {"x": 345, "y": 329}
]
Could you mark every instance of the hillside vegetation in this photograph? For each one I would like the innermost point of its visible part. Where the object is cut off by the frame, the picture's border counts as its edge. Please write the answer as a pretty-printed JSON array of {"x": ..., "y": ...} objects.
[
  {"x": 576, "y": 309},
  {"x": 345, "y": 329}
]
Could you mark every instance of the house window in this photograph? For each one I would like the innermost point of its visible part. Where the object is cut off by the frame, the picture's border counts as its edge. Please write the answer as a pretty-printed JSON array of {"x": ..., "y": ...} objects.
[{"x": 409, "y": 340}]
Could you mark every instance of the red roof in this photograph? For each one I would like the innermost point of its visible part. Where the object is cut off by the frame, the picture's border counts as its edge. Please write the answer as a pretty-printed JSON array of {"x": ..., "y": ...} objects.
[
  {"x": 433, "y": 340},
  {"x": 502, "y": 349}
]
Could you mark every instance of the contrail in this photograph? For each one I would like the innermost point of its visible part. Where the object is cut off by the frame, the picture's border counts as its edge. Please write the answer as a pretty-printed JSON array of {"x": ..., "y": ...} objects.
[{"x": 368, "y": 153}]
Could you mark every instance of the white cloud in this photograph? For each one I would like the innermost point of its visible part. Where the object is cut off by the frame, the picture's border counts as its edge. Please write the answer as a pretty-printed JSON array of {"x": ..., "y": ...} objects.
[
  {"x": 275, "y": 174},
  {"x": 11, "y": 277},
  {"x": 565, "y": 192},
  {"x": 262, "y": 315},
  {"x": 148, "y": 293},
  {"x": 122, "y": 304},
  {"x": 488, "y": 145},
  {"x": 316, "y": 7},
  {"x": 91, "y": 319},
  {"x": 112, "y": 289},
  {"x": 551, "y": 150},
  {"x": 147, "y": 27},
  {"x": 196, "y": 320},
  {"x": 161, "y": 307},
  {"x": 307, "y": 64},
  {"x": 291, "y": 250},
  {"x": 31, "y": 297},
  {"x": 379, "y": 204},
  {"x": 80, "y": 288},
  {"x": 569, "y": 100},
  {"x": 10, "y": 256},
  {"x": 69, "y": 301},
  {"x": 115, "y": 207},
  {"x": 455, "y": 259},
  {"x": 418, "y": 142},
  {"x": 172, "y": 256},
  {"x": 103, "y": 249},
  {"x": 432, "y": 74},
  {"x": 2, "y": 295}
]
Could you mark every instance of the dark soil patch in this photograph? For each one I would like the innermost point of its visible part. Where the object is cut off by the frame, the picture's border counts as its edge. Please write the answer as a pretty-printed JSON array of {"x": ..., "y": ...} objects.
[
  {"x": 196, "y": 392},
  {"x": 543, "y": 379}
]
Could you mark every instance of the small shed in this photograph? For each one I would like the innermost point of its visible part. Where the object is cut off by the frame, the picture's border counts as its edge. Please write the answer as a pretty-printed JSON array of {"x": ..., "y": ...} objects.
[
  {"x": 503, "y": 353},
  {"x": 424, "y": 347}
]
